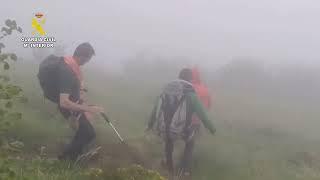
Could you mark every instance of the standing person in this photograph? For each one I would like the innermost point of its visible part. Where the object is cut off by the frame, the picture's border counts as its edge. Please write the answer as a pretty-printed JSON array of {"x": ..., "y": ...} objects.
[
  {"x": 172, "y": 119},
  {"x": 202, "y": 93},
  {"x": 62, "y": 83}
]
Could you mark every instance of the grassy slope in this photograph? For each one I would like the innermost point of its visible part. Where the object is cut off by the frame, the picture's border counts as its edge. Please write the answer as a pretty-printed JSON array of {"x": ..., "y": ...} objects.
[{"x": 257, "y": 138}]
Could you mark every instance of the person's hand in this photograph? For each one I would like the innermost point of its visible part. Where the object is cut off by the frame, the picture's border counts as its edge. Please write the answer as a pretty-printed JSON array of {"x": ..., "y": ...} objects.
[
  {"x": 95, "y": 109},
  {"x": 213, "y": 131}
]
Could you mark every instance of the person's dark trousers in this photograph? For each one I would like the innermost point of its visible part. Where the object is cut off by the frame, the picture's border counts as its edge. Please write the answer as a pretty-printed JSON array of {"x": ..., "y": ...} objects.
[
  {"x": 186, "y": 162},
  {"x": 84, "y": 135},
  {"x": 169, "y": 147}
]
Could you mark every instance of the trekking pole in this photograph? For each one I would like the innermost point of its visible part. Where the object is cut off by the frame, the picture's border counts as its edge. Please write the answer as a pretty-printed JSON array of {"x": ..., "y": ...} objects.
[{"x": 115, "y": 130}]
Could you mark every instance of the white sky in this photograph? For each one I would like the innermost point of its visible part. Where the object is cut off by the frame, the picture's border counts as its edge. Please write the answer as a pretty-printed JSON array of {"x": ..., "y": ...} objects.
[{"x": 212, "y": 31}]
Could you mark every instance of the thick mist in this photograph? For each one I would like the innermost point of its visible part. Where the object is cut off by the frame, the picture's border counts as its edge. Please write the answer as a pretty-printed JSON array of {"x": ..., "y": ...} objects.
[
  {"x": 259, "y": 60},
  {"x": 265, "y": 48},
  {"x": 209, "y": 32}
]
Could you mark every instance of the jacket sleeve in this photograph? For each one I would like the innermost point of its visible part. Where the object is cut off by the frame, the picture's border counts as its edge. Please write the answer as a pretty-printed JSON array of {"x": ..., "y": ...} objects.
[{"x": 201, "y": 112}]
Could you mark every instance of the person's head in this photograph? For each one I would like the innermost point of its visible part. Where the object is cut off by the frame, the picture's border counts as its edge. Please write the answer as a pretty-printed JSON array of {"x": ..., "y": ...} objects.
[
  {"x": 83, "y": 53},
  {"x": 186, "y": 74}
]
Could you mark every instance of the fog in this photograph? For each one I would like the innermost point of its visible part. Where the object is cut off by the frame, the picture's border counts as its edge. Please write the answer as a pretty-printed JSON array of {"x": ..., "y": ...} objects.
[
  {"x": 259, "y": 49},
  {"x": 209, "y": 32},
  {"x": 259, "y": 60}
]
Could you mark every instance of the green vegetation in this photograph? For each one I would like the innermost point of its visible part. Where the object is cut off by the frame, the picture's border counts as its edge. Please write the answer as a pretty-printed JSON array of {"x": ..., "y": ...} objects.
[{"x": 9, "y": 93}]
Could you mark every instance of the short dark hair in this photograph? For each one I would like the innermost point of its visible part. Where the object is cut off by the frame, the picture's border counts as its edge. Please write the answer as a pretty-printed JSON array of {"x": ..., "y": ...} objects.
[
  {"x": 84, "y": 49},
  {"x": 186, "y": 74}
]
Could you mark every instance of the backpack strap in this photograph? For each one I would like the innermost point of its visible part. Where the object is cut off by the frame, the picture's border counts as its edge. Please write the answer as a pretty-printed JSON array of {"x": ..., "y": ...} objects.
[
  {"x": 180, "y": 102},
  {"x": 169, "y": 114}
]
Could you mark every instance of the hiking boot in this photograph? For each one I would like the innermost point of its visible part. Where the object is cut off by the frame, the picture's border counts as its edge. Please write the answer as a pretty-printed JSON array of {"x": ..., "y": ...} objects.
[
  {"x": 187, "y": 176},
  {"x": 183, "y": 174}
]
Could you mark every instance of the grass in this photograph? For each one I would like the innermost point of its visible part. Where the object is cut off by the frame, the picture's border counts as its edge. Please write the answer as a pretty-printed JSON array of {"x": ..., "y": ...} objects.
[{"x": 257, "y": 137}]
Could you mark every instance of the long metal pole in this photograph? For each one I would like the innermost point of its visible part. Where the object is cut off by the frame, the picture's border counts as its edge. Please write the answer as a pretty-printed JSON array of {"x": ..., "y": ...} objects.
[{"x": 115, "y": 130}]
